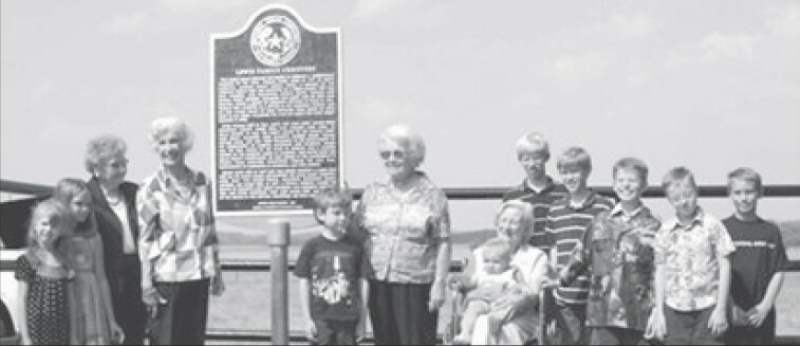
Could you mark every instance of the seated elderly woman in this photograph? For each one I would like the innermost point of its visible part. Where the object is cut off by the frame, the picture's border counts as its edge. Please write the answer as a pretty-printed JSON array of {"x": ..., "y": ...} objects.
[
  {"x": 514, "y": 223},
  {"x": 406, "y": 223}
]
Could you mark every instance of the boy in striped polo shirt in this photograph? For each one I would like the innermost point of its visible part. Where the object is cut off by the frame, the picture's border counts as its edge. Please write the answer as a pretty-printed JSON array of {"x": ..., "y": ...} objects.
[
  {"x": 567, "y": 222},
  {"x": 537, "y": 189}
]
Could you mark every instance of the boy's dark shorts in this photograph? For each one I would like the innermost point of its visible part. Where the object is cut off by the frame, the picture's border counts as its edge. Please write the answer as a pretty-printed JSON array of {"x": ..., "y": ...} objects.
[
  {"x": 331, "y": 332},
  {"x": 571, "y": 324},
  {"x": 764, "y": 335},
  {"x": 616, "y": 336},
  {"x": 689, "y": 327}
]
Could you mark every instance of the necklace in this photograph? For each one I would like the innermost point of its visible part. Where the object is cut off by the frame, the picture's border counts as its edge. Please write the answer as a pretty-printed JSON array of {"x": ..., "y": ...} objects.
[{"x": 113, "y": 199}]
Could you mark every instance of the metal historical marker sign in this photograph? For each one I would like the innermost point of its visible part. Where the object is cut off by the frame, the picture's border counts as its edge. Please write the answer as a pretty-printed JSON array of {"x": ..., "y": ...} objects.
[{"x": 276, "y": 114}]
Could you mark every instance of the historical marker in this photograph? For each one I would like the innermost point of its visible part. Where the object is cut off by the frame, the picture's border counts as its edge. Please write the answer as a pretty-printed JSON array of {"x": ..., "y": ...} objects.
[{"x": 276, "y": 116}]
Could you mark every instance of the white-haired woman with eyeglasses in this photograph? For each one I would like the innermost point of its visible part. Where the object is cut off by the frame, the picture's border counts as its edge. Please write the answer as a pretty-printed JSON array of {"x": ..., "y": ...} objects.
[
  {"x": 178, "y": 244},
  {"x": 406, "y": 221}
]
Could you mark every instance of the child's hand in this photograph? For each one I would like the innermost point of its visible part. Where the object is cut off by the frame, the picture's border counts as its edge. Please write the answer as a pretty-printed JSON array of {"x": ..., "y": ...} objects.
[
  {"x": 436, "y": 296},
  {"x": 656, "y": 325},
  {"x": 718, "y": 322},
  {"x": 454, "y": 282},
  {"x": 739, "y": 317},
  {"x": 757, "y": 314},
  {"x": 152, "y": 299},
  {"x": 117, "y": 334},
  {"x": 311, "y": 331},
  {"x": 457, "y": 282},
  {"x": 217, "y": 286},
  {"x": 564, "y": 276}
]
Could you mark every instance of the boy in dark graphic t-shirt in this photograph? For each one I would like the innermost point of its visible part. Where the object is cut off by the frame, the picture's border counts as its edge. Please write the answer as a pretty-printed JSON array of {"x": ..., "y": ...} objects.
[
  {"x": 332, "y": 269},
  {"x": 755, "y": 266}
]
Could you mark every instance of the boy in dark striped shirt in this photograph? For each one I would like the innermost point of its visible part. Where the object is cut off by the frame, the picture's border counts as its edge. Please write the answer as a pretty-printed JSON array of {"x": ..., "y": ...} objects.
[
  {"x": 537, "y": 189},
  {"x": 567, "y": 222}
]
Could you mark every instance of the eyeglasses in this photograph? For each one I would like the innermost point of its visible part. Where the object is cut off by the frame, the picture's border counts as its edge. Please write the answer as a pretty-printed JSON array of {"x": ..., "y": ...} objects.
[
  {"x": 386, "y": 154},
  {"x": 534, "y": 159}
]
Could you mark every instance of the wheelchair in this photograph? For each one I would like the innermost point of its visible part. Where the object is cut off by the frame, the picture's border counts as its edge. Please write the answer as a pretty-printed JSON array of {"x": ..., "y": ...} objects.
[{"x": 546, "y": 330}]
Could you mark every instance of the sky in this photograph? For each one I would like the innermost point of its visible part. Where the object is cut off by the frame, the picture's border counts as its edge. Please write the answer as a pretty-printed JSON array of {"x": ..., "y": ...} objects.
[{"x": 711, "y": 85}]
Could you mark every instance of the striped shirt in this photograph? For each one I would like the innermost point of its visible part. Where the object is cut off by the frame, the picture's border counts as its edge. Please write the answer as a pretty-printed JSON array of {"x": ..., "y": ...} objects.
[
  {"x": 565, "y": 229},
  {"x": 178, "y": 240},
  {"x": 541, "y": 202}
]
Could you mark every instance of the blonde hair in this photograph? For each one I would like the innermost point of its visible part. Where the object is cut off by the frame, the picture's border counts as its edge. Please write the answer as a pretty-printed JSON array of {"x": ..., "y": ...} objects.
[
  {"x": 64, "y": 192},
  {"x": 746, "y": 174},
  {"x": 53, "y": 212},
  {"x": 533, "y": 143},
  {"x": 496, "y": 247},
  {"x": 161, "y": 126},
  {"x": 526, "y": 212},
  {"x": 101, "y": 149},
  {"x": 633, "y": 164},
  {"x": 405, "y": 137},
  {"x": 575, "y": 156},
  {"x": 678, "y": 176}
]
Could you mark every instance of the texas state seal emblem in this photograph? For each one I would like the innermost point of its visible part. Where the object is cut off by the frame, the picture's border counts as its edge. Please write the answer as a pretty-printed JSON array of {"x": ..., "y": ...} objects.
[{"x": 275, "y": 40}]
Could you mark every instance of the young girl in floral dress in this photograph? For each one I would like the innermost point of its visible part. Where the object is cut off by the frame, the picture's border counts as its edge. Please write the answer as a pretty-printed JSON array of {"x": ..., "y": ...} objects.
[{"x": 91, "y": 312}]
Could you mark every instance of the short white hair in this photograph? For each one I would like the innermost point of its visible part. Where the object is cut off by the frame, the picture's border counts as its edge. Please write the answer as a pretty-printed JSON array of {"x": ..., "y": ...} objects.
[
  {"x": 404, "y": 136},
  {"x": 161, "y": 126},
  {"x": 526, "y": 212},
  {"x": 102, "y": 148}
]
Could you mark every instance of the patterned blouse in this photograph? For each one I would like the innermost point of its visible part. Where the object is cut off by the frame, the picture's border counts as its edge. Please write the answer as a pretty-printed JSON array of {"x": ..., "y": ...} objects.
[
  {"x": 690, "y": 256},
  {"x": 404, "y": 229},
  {"x": 619, "y": 253},
  {"x": 178, "y": 240}
]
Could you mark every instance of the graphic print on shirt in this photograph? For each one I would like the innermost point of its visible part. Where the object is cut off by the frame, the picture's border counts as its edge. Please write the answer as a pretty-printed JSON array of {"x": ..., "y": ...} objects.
[{"x": 329, "y": 280}]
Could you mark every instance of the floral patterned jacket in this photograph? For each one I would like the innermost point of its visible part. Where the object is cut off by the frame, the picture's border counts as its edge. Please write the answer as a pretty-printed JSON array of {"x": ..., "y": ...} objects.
[
  {"x": 403, "y": 230},
  {"x": 618, "y": 254}
]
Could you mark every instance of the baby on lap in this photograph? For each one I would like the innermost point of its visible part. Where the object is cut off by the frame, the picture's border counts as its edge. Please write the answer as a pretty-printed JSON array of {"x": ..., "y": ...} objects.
[{"x": 497, "y": 279}]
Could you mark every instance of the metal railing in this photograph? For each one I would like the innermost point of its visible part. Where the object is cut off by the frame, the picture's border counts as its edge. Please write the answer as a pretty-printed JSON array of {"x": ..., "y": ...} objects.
[
  {"x": 279, "y": 236},
  {"x": 492, "y": 193}
]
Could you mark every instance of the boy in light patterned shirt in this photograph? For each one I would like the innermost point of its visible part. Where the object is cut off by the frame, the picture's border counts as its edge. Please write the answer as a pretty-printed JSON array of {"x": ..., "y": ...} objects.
[{"x": 693, "y": 269}]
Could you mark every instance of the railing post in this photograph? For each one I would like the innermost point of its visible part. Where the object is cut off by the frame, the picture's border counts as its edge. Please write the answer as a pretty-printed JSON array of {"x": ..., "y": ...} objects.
[{"x": 278, "y": 243}]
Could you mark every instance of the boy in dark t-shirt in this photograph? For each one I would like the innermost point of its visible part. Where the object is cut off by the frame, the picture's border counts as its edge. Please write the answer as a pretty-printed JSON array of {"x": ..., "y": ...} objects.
[
  {"x": 755, "y": 265},
  {"x": 333, "y": 269}
]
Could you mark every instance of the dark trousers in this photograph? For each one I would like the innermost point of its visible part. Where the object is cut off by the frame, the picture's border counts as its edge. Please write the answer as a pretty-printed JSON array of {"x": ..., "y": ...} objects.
[
  {"x": 689, "y": 327},
  {"x": 331, "y": 332},
  {"x": 764, "y": 335},
  {"x": 616, "y": 336},
  {"x": 129, "y": 309},
  {"x": 182, "y": 320},
  {"x": 400, "y": 315},
  {"x": 571, "y": 324}
]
